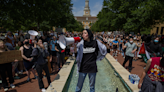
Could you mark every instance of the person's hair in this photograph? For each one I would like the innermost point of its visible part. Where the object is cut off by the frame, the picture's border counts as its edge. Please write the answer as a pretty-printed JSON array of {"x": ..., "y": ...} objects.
[
  {"x": 162, "y": 60},
  {"x": 5, "y": 47},
  {"x": 38, "y": 39},
  {"x": 156, "y": 37},
  {"x": 131, "y": 38}
]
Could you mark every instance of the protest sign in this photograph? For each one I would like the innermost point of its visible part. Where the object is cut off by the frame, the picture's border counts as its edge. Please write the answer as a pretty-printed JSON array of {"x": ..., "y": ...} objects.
[{"x": 10, "y": 56}]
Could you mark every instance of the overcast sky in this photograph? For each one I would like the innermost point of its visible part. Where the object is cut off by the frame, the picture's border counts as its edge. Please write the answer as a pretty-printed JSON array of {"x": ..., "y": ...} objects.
[{"x": 78, "y": 7}]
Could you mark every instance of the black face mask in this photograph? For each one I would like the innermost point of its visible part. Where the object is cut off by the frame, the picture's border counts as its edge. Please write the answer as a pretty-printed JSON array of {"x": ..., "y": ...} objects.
[
  {"x": 27, "y": 42},
  {"x": 138, "y": 40}
]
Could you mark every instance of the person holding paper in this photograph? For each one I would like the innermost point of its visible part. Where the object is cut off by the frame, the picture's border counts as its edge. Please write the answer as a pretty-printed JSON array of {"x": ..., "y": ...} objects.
[{"x": 7, "y": 67}]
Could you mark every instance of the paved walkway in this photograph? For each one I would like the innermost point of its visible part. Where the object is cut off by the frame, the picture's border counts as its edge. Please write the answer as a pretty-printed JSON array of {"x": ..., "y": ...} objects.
[
  {"x": 23, "y": 86},
  {"x": 138, "y": 66}
]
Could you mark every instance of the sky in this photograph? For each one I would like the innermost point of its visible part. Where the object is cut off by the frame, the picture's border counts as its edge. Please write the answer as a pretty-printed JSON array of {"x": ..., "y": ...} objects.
[{"x": 78, "y": 7}]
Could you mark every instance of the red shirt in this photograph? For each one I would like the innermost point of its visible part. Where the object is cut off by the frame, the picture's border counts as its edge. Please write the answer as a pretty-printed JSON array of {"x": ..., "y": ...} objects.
[{"x": 156, "y": 72}]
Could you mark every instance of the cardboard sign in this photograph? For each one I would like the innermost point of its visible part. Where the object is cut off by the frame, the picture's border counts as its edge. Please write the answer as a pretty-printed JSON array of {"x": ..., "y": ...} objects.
[
  {"x": 59, "y": 30},
  {"x": 10, "y": 56}
]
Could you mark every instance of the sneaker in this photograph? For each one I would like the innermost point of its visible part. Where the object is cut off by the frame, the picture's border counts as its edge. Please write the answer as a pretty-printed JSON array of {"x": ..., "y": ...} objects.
[
  {"x": 43, "y": 90},
  {"x": 20, "y": 72},
  {"x": 28, "y": 79},
  {"x": 36, "y": 77},
  {"x": 12, "y": 85},
  {"x": 6, "y": 89},
  {"x": 44, "y": 76},
  {"x": 16, "y": 77}
]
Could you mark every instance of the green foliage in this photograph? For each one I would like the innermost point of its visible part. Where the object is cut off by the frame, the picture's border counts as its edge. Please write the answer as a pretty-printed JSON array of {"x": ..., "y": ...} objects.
[
  {"x": 129, "y": 15},
  {"x": 43, "y": 14}
]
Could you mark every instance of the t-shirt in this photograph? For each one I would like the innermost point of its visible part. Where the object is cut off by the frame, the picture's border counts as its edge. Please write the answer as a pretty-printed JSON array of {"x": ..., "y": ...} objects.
[
  {"x": 88, "y": 64},
  {"x": 111, "y": 40},
  {"x": 9, "y": 46},
  {"x": 115, "y": 41},
  {"x": 52, "y": 43},
  {"x": 129, "y": 48}
]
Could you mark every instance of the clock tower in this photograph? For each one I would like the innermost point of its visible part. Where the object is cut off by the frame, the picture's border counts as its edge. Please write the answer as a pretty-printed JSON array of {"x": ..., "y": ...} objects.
[{"x": 86, "y": 9}]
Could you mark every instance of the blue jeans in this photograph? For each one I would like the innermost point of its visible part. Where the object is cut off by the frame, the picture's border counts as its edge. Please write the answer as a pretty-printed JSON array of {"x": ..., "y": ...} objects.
[
  {"x": 122, "y": 52},
  {"x": 92, "y": 77}
]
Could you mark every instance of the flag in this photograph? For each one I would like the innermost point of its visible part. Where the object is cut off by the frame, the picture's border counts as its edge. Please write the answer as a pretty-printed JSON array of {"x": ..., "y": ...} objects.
[{"x": 144, "y": 53}]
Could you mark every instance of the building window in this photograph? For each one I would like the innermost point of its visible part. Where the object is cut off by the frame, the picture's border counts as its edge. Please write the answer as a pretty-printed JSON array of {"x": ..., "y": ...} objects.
[
  {"x": 157, "y": 30},
  {"x": 86, "y": 18},
  {"x": 162, "y": 30},
  {"x": 86, "y": 12}
]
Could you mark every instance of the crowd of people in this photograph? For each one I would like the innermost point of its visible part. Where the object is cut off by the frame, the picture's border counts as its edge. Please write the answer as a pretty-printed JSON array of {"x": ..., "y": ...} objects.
[{"x": 45, "y": 45}]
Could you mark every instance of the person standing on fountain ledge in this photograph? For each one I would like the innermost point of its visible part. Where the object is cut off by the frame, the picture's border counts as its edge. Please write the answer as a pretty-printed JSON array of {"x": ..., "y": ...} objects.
[{"x": 89, "y": 51}]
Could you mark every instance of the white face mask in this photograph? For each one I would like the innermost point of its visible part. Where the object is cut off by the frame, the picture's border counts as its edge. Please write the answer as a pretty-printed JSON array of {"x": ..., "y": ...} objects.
[{"x": 131, "y": 41}]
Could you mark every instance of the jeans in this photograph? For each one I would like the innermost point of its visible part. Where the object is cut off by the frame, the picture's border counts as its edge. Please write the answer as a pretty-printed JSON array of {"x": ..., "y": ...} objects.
[
  {"x": 130, "y": 61},
  {"x": 92, "y": 77},
  {"x": 39, "y": 69},
  {"x": 120, "y": 48}
]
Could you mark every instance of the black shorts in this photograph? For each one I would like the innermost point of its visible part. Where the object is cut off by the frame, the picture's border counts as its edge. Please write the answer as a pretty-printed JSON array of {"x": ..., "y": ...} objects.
[
  {"x": 53, "y": 53},
  {"x": 114, "y": 46}
]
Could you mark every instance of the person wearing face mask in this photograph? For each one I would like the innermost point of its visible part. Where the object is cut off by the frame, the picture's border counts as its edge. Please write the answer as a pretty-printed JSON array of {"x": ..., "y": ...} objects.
[
  {"x": 154, "y": 48},
  {"x": 131, "y": 47},
  {"x": 138, "y": 43},
  {"x": 115, "y": 46},
  {"x": 26, "y": 51},
  {"x": 41, "y": 62}
]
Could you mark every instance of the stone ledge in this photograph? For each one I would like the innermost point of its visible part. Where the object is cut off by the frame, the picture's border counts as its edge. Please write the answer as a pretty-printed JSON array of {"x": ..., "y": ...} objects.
[
  {"x": 124, "y": 74},
  {"x": 61, "y": 79}
]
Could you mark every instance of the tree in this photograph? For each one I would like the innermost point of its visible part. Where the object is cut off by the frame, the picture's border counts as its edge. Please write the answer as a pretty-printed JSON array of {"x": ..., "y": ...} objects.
[
  {"x": 25, "y": 14},
  {"x": 130, "y": 15}
]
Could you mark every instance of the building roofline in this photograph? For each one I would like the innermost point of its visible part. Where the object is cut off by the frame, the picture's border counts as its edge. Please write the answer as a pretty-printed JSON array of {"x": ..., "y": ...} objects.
[{"x": 86, "y": 16}]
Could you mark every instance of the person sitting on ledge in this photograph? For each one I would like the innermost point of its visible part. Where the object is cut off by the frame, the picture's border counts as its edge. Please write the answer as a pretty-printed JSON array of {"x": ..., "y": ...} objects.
[{"x": 152, "y": 79}]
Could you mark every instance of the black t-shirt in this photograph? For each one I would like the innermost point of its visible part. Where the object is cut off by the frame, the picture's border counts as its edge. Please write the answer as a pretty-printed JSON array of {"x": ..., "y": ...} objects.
[{"x": 88, "y": 64}]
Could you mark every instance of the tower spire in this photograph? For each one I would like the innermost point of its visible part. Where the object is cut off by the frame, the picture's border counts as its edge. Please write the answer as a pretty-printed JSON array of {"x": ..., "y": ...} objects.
[{"x": 86, "y": 9}]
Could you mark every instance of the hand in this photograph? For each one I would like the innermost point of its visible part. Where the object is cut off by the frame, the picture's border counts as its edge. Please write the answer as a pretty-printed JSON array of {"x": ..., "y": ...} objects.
[
  {"x": 29, "y": 59},
  {"x": 41, "y": 45},
  {"x": 15, "y": 60},
  {"x": 133, "y": 52},
  {"x": 139, "y": 85},
  {"x": 50, "y": 59}
]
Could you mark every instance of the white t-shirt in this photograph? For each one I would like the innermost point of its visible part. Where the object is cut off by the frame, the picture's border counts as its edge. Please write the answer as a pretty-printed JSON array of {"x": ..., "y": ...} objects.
[{"x": 111, "y": 40}]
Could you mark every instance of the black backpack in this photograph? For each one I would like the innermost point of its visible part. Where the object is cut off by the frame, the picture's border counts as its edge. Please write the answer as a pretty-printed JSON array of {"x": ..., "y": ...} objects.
[{"x": 35, "y": 58}]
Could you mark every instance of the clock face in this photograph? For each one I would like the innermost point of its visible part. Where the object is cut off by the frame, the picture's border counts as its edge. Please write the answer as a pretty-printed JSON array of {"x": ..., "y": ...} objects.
[{"x": 86, "y": 12}]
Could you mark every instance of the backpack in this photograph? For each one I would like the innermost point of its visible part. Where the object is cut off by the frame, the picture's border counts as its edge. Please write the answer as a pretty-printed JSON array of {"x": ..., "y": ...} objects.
[{"x": 35, "y": 58}]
